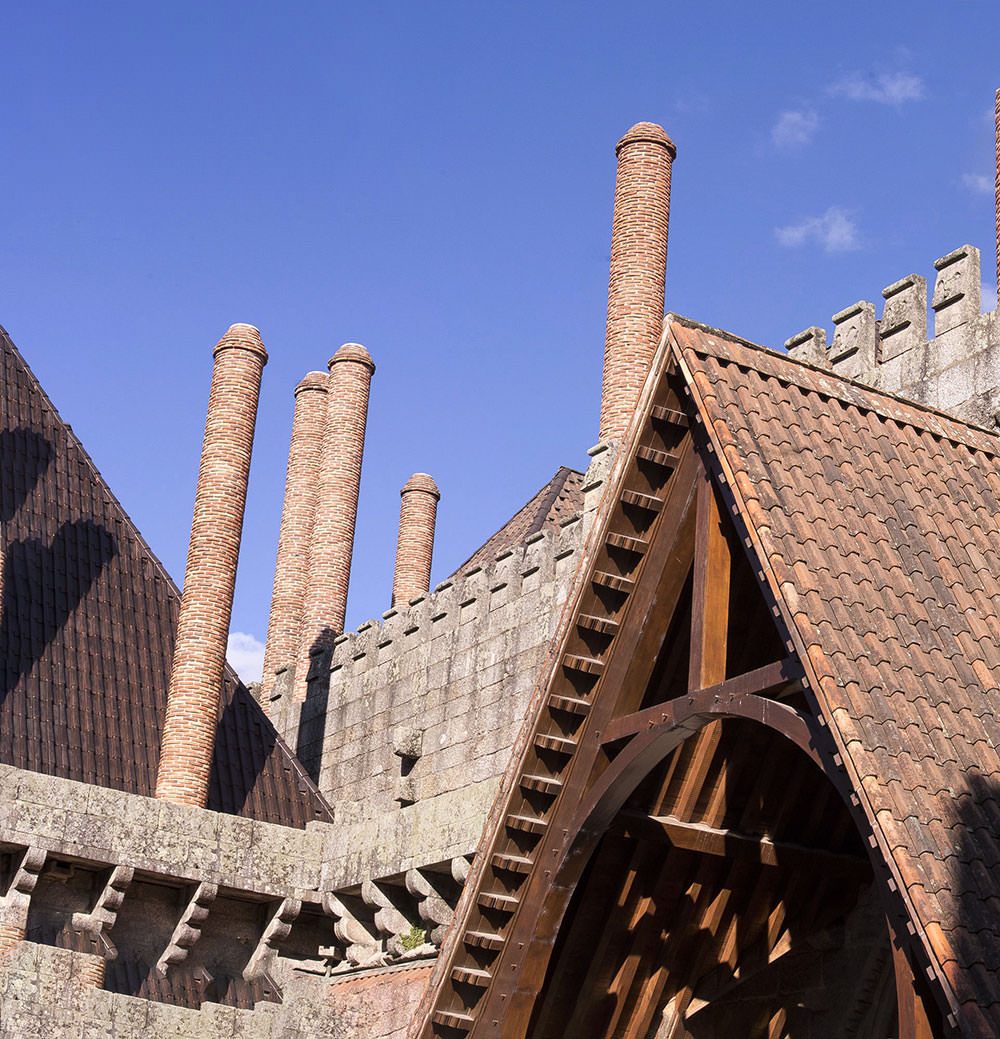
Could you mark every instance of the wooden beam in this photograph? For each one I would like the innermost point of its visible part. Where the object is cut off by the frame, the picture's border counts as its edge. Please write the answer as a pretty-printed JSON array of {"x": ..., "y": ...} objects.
[
  {"x": 914, "y": 1020},
  {"x": 710, "y": 607},
  {"x": 764, "y": 681},
  {"x": 712, "y": 840}
]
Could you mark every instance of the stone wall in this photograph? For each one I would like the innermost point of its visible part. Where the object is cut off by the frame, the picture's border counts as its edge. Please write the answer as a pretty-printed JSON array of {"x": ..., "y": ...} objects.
[
  {"x": 409, "y": 722},
  {"x": 48, "y": 992},
  {"x": 957, "y": 370},
  {"x": 183, "y": 892}
]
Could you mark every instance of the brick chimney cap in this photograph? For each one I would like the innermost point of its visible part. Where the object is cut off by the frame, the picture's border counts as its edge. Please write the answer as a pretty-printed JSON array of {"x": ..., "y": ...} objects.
[
  {"x": 353, "y": 352},
  {"x": 242, "y": 337},
  {"x": 651, "y": 133},
  {"x": 312, "y": 381},
  {"x": 421, "y": 482}
]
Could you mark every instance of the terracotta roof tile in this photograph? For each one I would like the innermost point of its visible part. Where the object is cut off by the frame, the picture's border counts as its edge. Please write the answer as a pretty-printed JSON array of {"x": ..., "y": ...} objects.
[{"x": 879, "y": 525}]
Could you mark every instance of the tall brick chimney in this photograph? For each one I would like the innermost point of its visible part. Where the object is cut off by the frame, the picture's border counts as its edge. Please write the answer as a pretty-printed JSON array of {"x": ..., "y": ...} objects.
[
  {"x": 351, "y": 370},
  {"x": 638, "y": 270},
  {"x": 291, "y": 570},
  {"x": 997, "y": 126},
  {"x": 207, "y": 601},
  {"x": 415, "y": 547}
]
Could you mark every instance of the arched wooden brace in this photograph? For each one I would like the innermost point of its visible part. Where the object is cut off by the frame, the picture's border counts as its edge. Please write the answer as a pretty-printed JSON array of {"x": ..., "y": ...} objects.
[{"x": 681, "y": 719}]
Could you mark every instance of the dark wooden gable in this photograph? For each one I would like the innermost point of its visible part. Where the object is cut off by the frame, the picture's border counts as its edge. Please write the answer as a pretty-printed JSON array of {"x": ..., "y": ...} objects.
[
  {"x": 86, "y": 634},
  {"x": 677, "y": 849}
]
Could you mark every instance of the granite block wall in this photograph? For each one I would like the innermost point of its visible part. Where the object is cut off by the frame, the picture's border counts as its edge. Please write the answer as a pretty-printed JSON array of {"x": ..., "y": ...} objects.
[
  {"x": 48, "y": 992},
  {"x": 955, "y": 370}
]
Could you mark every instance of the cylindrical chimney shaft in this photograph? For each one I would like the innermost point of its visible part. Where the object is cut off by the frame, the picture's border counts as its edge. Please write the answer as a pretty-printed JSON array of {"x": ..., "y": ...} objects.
[
  {"x": 351, "y": 370},
  {"x": 291, "y": 570},
  {"x": 638, "y": 270},
  {"x": 210, "y": 579},
  {"x": 997, "y": 124},
  {"x": 415, "y": 547}
]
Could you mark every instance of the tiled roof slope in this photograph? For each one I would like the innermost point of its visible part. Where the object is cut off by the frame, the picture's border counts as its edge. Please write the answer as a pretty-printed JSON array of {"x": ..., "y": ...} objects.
[
  {"x": 87, "y": 629},
  {"x": 559, "y": 499},
  {"x": 879, "y": 526}
]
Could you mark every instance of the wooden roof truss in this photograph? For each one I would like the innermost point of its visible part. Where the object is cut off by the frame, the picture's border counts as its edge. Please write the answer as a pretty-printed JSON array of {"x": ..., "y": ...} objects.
[{"x": 664, "y": 805}]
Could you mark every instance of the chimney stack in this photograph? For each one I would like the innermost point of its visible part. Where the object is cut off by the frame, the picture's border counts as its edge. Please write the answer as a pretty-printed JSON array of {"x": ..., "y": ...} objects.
[
  {"x": 997, "y": 124},
  {"x": 297, "y": 514},
  {"x": 210, "y": 578},
  {"x": 351, "y": 370},
  {"x": 638, "y": 270},
  {"x": 415, "y": 547}
]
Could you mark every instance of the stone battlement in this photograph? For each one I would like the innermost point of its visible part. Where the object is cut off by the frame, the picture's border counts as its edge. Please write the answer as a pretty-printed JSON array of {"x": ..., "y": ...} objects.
[
  {"x": 956, "y": 370},
  {"x": 428, "y": 699}
]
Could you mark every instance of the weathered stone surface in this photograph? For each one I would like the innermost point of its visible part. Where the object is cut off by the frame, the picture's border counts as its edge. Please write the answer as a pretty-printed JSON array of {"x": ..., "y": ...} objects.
[
  {"x": 904, "y": 319},
  {"x": 46, "y": 992},
  {"x": 854, "y": 340},
  {"x": 958, "y": 371},
  {"x": 808, "y": 345},
  {"x": 957, "y": 289}
]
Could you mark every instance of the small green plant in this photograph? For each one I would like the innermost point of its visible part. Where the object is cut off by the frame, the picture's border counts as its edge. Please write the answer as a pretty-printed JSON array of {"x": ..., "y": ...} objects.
[{"x": 413, "y": 939}]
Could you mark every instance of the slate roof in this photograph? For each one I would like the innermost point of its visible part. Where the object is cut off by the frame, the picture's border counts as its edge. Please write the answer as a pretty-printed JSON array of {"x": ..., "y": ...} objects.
[
  {"x": 878, "y": 524},
  {"x": 86, "y": 635},
  {"x": 557, "y": 501}
]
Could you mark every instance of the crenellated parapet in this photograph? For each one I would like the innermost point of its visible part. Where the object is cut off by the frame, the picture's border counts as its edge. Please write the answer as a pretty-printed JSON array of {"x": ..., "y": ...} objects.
[{"x": 956, "y": 370}]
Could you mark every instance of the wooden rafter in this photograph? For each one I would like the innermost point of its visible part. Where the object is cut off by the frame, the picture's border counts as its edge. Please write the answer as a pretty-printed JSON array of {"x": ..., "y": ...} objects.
[
  {"x": 636, "y": 566},
  {"x": 688, "y": 890},
  {"x": 727, "y": 843},
  {"x": 769, "y": 680}
]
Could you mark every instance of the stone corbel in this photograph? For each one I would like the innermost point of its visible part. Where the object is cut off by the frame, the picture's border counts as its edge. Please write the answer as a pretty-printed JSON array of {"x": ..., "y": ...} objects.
[
  {"x": 277, "y": 929},
  {"x": 188, "y": 931},
  {"x": 357, "y": 938},
  {"x": 102, "y": 917},
  {"x": 435, "y": 895},
  {"x": 15, "y": 903},
  {"x": 460, "y": 866},
  {"x": 394, "y": 912}
]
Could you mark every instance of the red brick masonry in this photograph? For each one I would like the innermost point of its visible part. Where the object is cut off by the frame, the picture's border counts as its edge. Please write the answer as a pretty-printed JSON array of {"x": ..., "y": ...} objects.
[
  {"x": 209, "y": 581},
  {"x": 351, "y": 370},
  {"x": 301, "y": 490},
  {"x": 638, "y": 270},
  {"x": 415, "y": 547}
]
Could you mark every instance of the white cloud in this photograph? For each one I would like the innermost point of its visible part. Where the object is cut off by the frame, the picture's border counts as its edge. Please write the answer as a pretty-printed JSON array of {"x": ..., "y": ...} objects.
[
  {"x": 989, "y": 296},
  {"x": 979, "y": 183},
  {"x": 835, "y": 231},
  {"x": 887, "y": 88},
  {"x": 794, "y": 128},
  {"x": 246, "y": 654}
]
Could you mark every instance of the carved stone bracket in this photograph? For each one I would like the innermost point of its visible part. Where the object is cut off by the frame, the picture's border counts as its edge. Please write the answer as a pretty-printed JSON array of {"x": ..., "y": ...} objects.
[
  {"x": 277, "y": 929},
  {"x": 460, "y": 866},
  {"x": 15, "y": 903},
  {"x": 188, "y": 931},
  {"x": 395, "y": 912},
  {"x": 352, "y": 928},
  {"x": 435, "y": 895},
  {"x": 102, "y": 917}
]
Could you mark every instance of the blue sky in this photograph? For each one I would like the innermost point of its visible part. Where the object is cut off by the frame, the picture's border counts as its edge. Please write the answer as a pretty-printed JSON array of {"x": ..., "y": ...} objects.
[{"x": 435, "y": 181}]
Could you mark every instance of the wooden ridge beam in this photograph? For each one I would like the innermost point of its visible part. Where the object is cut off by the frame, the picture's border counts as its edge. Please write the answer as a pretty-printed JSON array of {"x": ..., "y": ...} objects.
[
  {"x": 713, "y": 840},
  {"x": 763, "y": 681}
]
